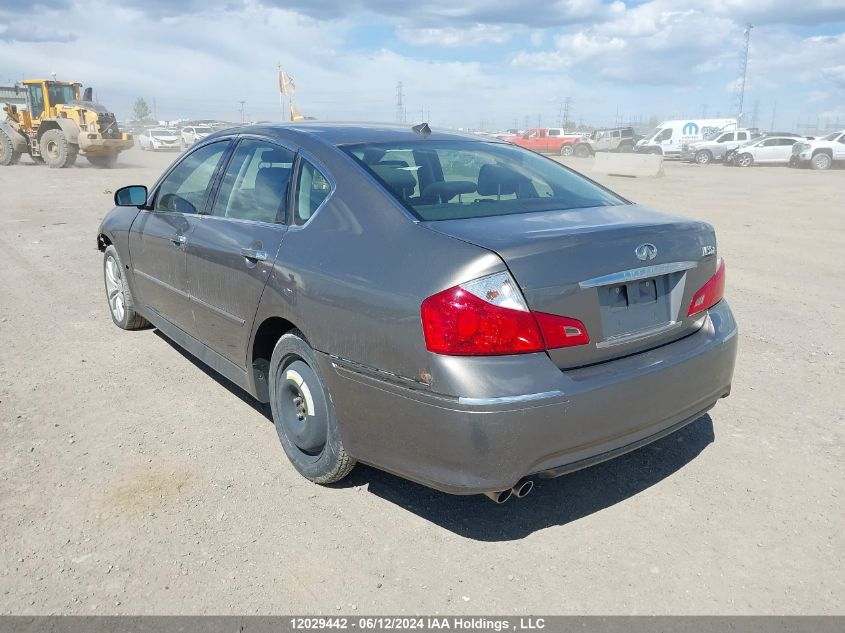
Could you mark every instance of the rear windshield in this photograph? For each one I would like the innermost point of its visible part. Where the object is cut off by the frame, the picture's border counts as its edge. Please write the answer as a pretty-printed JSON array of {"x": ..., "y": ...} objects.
[{"x": 453, "y": 180}]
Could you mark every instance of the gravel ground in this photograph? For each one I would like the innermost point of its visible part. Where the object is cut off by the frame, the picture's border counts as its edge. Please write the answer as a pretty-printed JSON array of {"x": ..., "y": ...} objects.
[{"x": 133, "y": 480}]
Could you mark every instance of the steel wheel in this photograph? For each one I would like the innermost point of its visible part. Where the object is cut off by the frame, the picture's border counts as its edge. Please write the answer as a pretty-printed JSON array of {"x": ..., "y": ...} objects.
[
  {"x": 300, "y": 400},
  {"x": 114, "y": 289}
]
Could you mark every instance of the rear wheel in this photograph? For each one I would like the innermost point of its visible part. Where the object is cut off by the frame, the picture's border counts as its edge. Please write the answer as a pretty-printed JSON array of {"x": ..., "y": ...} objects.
[
  {"x": 566, "y": 150},
  {"x": 703, "y": 157},
  {"x": 582, "y": 151},
  {"x": 106, "y": 161},
  {"x": 56, "y": 150},
  {"x": 304, "y": 414},
  {"x": 625, "y": 148},
  {"x": 744, "y": 160},
  {"x": 121, "y": 306},
  {"x": 8, "y": 155},
  {"x": 821, "y": 161}
]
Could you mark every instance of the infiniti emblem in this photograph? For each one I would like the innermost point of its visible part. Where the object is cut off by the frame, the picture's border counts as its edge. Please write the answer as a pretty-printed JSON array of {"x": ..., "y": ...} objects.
[{"x": 646, "y": 251}]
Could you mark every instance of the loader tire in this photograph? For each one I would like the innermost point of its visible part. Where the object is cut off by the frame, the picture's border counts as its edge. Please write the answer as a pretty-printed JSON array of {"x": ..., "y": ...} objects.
[
  {"x": 56, "y": 150},
  {"x": 103, "y": 162},
  {"x": 8, "y": 155}
]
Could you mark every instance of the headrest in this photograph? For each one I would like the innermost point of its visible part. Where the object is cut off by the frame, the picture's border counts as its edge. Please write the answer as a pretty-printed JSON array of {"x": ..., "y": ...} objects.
[
  {"x": 400, "y": 180},
  {"x": 275, "y": 156},
  {"x": 446, "y": 190},
  {"x": 497, "y": 180}
]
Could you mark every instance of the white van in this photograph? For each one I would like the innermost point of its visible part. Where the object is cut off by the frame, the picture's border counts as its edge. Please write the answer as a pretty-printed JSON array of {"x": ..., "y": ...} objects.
[{"x": 670, "y": 136}]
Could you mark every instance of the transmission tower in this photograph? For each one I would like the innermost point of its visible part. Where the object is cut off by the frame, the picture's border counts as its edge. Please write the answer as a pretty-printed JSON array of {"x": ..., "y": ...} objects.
[
  {"x": 739, "y": 95},
  {"x": 400, "y": 104}
]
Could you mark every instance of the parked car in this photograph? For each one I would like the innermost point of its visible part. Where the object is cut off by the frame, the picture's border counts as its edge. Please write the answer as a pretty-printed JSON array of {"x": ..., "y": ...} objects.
[
  {"x": 706, "y": 152},
  {"x": 671, "y": 136},
  {"x": 552, "y": 140},
  {"x": 820, "y": 153},
  {"x": 158, "y": 139},
  {"x": 193, "y": 133},
  {"x": 461, "y": 312},
  {"x": 769, "y": 150},
  {"x": 620, "y": 139}
]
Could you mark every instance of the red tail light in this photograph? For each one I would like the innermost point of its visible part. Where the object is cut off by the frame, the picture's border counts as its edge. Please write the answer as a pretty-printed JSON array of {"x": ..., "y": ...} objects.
[
  {"x": 710, "y": 293},
  {"x": 488, "y": 317}
]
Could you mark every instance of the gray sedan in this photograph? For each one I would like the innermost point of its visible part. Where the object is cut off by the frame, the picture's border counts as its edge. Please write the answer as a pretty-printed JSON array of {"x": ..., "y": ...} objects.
[{"x": 459, "y": 311}]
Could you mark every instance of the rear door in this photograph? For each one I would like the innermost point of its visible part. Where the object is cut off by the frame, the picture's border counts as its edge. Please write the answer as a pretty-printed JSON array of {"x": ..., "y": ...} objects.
[
  {"x": 159, "y": 235},
  {"x": 231, "y": 252}
]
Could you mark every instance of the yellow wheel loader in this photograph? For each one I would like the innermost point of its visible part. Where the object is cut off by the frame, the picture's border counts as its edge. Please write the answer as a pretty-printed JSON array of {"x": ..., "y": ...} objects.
[{"x": 57, "y": 126}]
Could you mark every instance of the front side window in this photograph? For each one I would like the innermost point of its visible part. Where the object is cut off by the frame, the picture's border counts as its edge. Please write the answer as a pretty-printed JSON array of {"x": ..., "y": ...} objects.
[
  {"x": 255, "y": 184},
  {"x": 665, "y": 135},
  {"x": 467, "y": 179},
  {"x": 311, "y": 189},
  {"x": 60, "y": 94},
  {"x": 185, "y": 188},
  {"x": 725, "y": 138},
  {"x": 36, "y": 100}
]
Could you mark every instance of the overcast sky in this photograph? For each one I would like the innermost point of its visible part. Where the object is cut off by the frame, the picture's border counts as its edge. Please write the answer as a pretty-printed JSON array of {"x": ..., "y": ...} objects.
[{"x": 461, "y": 61}]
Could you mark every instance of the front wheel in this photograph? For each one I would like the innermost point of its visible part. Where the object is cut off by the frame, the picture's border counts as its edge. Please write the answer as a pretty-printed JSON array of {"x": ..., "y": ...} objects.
[
  {"x": 8, "y": 155},
  {"x": 566, "y": 150},
  {"x": 121, "y": 305},
  {"x": 56, "y": 150},
  {"x": 582, "y": 151},
  {"x": 304, "y": 414},
  {"x": 821, "y": 161},
  {"x": 703, "y": 157},
  {"x": 744, "y": 160}
]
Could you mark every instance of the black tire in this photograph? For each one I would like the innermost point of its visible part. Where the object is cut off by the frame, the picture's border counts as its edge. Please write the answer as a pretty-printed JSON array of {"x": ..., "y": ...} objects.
[
  {"x": 744, "y": 160},
  {"x": 821, "y": 160},
  {"x": 304, "y": 414},
  {"x": 56, "y": 150},
  {"x": 8, "y": 155},
  {"x": 703, "y": 157},
  {"x": 583, "y": 151},
  {"x": 106, "y": 161},
  {"x": 126, "y": 318}
]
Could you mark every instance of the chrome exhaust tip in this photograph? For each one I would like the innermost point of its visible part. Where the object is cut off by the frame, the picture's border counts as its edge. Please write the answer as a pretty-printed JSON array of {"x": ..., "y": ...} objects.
[
  {"x": 522, "y": 488},
  {"x": 500, "y": 496}
]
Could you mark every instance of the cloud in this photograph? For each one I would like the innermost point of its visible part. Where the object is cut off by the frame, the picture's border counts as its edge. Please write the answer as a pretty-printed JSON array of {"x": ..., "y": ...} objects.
[
  {"x": 17, "y": 32},
  {"x": 454, "y": 37}
]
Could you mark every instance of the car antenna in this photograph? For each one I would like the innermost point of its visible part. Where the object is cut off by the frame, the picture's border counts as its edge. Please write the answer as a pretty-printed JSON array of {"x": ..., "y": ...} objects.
[{"x": 422, "y": 129}]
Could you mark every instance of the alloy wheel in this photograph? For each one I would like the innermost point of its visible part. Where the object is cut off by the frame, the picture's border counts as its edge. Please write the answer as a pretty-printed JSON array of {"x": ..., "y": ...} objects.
[{"x": 114, "y": 288}]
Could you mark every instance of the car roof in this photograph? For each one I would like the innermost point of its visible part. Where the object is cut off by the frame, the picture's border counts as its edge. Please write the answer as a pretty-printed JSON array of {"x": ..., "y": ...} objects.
[{"x": 350, "y": 133}]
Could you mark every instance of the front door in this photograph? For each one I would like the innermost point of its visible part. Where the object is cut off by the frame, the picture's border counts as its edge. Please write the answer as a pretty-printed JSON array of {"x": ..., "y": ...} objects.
[
  {"x": 231, "y": 252},
  {"x": 159, "y": 236}
]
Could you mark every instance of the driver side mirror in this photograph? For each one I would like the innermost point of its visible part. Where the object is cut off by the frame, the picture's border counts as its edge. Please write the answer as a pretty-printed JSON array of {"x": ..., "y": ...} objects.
[{"x": 132, "y": 196}]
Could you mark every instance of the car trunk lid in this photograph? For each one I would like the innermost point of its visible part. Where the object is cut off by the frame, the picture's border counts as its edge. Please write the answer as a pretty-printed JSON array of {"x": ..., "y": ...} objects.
[{"x": 626, "y": 272}]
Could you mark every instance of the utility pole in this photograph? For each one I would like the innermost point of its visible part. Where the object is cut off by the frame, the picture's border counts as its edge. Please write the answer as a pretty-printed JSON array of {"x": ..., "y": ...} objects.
[
  {"x": 739, "y": 97},
  {"x": 400, "y": 104},
  {"x": 243, "y": 103},
  {"x": 774, "y": 112},
  {"x": 565, "y": 115}
]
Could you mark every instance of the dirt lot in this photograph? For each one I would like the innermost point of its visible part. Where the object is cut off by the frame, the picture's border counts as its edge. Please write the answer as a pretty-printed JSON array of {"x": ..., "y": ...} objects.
[{"x": 135, "y": 481}]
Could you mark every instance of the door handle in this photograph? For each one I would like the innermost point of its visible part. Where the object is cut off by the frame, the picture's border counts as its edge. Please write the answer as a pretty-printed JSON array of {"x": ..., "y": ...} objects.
[
  {"x": 254, "y": 254},
  {"x": 178, "y": 240}
]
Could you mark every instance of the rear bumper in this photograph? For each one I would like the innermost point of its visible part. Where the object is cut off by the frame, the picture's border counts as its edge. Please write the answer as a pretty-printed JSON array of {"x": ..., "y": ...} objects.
[{"x": 467, "y": 446}]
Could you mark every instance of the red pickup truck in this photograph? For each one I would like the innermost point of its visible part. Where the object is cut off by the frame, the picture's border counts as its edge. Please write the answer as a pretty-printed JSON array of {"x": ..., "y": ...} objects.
[{"x": 546, "y": 140}]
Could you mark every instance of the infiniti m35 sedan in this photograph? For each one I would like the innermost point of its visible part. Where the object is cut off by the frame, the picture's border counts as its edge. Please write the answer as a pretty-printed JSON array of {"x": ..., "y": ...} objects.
[{"x": 456, "y": 310}]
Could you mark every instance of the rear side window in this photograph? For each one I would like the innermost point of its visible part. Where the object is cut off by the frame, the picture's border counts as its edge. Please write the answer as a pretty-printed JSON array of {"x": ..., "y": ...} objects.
[
  {"x": 311, "y": 189},
  {"x": 255, "y": 184},
  {"x": 184, "y": 189},
  {"x": 742, "y": 136},
  {"x": 445, "y": 180}
]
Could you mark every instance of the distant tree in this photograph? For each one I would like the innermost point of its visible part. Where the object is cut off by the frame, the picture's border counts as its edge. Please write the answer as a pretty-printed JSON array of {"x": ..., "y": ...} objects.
[{"x": 141, "y": 110}]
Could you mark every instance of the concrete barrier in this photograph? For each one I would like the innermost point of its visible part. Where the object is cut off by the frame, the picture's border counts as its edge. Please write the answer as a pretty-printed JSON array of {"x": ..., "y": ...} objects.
[{"x": 635, "y": 165}]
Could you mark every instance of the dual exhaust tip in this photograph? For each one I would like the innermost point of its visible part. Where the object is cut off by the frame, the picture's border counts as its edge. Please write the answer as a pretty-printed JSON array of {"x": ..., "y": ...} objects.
[{"x": 522, "y": 488}]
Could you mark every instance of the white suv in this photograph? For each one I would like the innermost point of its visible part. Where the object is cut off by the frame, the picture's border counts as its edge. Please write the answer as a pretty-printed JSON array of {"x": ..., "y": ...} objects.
[
  {"x": 769, "y": 150},
  {"x": 820, "y": 153},
  {"x": 193, "y": 133}
]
